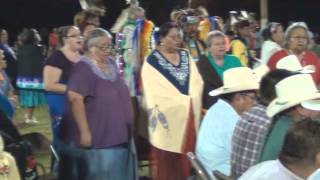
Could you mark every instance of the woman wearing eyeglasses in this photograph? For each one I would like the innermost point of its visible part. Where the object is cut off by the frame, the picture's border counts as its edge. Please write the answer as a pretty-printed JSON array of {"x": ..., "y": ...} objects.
[
  {"x": 172, "y": 87},
  {"x": 56, "y": 73},
  {"x": 296, "y": 42},
  {"x": 97, "y": 125}
]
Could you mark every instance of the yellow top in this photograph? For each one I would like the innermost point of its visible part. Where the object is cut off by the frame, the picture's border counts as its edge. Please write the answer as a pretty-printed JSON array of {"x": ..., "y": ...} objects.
[
  {"x": 240, "y": 50},
  {"x": 204, "y": 29}
]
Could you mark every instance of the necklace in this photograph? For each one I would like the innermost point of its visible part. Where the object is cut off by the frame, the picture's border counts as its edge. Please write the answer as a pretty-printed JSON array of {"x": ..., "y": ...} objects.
[{"x": 102, "y": 65}]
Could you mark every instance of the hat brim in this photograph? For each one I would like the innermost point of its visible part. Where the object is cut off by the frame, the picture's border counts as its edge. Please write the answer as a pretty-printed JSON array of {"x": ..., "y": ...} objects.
[
  {"x": 278, "y": 105},
  {"x": 239, "y": 88},
  {"x": 312, "y": 104},
  {"x": 309, "y": 69},
  {"x": 261, "y": 71}
]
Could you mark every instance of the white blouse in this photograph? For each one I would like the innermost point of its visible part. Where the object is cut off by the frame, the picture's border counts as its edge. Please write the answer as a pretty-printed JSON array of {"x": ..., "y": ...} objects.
[{"x": 268, "y": 49}]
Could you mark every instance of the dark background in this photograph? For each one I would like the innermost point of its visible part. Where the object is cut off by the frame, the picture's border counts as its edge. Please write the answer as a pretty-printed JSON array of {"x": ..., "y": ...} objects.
[{"x": 16, "y": 14}]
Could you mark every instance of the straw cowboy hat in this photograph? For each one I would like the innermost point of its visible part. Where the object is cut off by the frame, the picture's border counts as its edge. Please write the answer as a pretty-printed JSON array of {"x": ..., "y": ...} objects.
[
  {"x": 294, "y": 90},
  {"x": 236, "y": 80},
  {"x": 260, "y": 71},
  {"x": 292, "y": 63}
]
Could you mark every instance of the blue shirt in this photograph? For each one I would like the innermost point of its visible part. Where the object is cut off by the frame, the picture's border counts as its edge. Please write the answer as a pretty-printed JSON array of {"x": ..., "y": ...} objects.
[{"x": 213, "y": 147}]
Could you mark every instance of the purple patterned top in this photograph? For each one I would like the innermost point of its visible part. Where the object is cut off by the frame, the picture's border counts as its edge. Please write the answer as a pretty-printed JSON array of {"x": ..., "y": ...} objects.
[{"x": 107, "y": 104}]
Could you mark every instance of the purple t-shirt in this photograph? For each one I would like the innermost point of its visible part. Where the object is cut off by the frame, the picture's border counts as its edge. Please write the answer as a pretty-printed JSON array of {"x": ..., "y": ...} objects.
[{"x": 107, "y": 105}]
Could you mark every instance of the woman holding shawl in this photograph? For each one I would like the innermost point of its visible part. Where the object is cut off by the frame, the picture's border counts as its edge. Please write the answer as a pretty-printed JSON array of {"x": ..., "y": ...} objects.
[{"x": 173, "y": 91}]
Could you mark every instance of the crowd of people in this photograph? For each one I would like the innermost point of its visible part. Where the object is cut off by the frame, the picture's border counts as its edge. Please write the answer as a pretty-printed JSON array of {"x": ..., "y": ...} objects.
[{"x": 244, "y": 100}]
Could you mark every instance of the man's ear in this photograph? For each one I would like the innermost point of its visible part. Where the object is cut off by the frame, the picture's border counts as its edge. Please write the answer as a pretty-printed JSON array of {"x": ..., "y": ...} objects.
[
  {"x": 237, "y": 96},
  {"x": 241, "y": 97},
  {"x": 302, "y": 111},
  {"x": 237, "y": 100}
]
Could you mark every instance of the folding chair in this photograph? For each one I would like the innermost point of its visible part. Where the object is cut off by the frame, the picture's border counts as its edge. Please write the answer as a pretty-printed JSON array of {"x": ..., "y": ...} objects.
[
  {"x": 198, "y": 167},
  {"x": 220, "y": 176}
]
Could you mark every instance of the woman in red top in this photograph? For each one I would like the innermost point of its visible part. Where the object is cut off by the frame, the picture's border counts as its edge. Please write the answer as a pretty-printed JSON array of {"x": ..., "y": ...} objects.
[{"x": 296, "y": 42}]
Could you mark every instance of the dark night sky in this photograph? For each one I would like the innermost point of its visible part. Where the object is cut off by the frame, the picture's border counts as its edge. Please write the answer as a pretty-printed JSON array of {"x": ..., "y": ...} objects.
[{"x": 16, "y": 14}]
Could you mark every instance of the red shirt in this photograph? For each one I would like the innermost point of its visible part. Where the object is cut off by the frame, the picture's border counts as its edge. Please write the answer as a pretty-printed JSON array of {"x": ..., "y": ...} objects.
[{"x": 309, "y": 58}]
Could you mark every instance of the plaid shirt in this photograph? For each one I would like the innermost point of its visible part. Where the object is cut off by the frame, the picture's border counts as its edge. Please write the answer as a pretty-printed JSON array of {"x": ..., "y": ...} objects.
[{"x": 248, "y": 139}]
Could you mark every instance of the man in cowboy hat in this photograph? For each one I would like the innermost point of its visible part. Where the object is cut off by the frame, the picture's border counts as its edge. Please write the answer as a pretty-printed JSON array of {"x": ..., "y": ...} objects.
[
  {"x": 252, "y": 129},
  {"x": 237, "y": 95},
  {"x": 299, "y": 158},
  {"x": 296, "y": 99}
]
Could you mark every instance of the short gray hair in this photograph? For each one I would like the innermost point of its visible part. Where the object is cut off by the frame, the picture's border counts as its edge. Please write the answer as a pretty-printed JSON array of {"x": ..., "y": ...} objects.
[
  {"x": 292, "y": 27},
  {"x": 94, "y": 36},
  {"x": 212, "y": 35}
]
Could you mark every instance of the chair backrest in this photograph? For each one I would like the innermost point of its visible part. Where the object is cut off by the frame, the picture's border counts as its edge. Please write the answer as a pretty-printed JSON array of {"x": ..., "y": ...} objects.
[{"x": 197, "y": 165}]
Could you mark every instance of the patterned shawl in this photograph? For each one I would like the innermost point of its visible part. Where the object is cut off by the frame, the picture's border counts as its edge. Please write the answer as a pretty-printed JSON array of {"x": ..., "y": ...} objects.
[{"x": 168, "y": 109}]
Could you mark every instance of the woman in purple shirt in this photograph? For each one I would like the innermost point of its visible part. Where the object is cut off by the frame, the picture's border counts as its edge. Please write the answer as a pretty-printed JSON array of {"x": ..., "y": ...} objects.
[{"x": 97, "y": 125}]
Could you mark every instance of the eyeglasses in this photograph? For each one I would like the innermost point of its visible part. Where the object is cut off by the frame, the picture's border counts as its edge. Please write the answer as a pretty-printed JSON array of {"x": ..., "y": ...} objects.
[
  {"x": 105, "y": 48},
  {"x": 74, "y": 36},
  {"x": 252, "y": 97},
  {"x": 299, "y": 38}
]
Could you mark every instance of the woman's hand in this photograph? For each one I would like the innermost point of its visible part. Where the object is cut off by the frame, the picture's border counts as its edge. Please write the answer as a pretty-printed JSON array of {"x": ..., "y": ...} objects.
[{"x": 80, "y": 117}]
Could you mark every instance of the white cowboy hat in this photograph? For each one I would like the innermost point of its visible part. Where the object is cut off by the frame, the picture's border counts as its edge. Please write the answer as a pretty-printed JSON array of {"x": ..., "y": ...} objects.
[
  {"x": 311, "y": 104},
  {"x": 236, "y": 80},
  {"x": 260, "y": 71},
  {"x": 294, "y": 90},
  {"x": 292, "y": 63}
]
